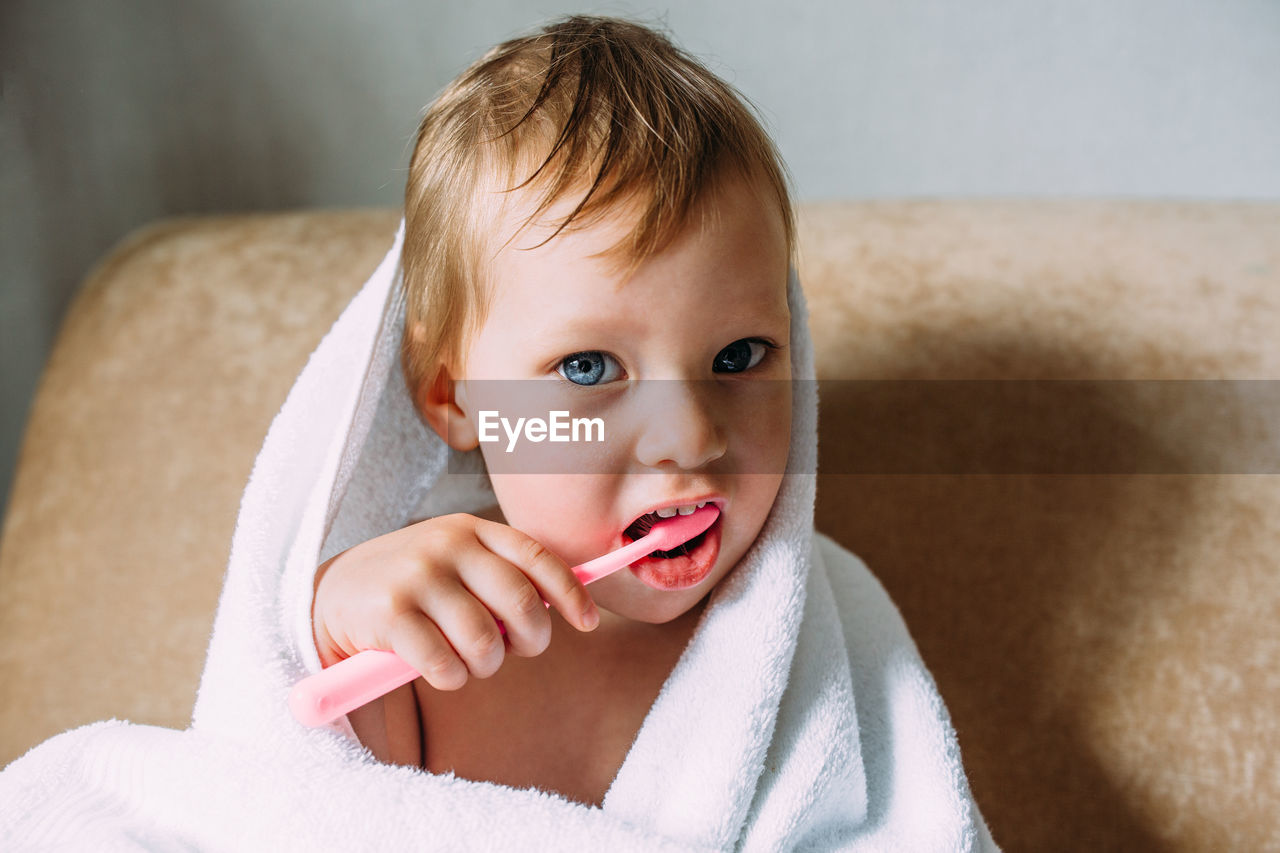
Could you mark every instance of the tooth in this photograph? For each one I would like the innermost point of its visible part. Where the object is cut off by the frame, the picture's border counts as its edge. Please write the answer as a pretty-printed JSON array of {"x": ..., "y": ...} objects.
[
  {"x": 666, "y": 512},
  {"x": 701, "y": 504},
  {"x": 686, "y": 509}
]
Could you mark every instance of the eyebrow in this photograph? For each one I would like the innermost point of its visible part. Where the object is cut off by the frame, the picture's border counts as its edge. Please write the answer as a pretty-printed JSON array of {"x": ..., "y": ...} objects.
[
  {"x": 589, "y": 332},
  {"x": 579, "y": 326},
  {"x": 615, "y": 320}
]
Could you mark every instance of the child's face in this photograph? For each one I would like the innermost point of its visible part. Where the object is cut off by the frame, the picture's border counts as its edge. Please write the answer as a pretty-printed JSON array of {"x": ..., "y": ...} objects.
[{"x": 704, "y": 313}]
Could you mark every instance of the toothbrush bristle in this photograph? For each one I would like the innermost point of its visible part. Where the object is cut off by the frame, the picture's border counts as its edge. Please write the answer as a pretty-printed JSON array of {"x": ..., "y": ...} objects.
[
  {"x": 680, "y": 542},
  {"x": 641, "y": 526}
]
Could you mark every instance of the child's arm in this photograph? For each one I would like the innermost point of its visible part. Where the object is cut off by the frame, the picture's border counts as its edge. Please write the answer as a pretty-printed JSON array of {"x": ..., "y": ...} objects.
[{"x": 430, "y": 592}]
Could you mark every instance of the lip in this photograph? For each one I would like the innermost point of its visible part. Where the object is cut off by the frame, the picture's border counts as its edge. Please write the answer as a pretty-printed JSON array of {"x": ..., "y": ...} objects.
[{"x": 685, "y": 571}]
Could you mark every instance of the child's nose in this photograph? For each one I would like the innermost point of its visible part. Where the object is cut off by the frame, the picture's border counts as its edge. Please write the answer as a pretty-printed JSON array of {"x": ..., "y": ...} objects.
[{"x": 679, "y": 426}]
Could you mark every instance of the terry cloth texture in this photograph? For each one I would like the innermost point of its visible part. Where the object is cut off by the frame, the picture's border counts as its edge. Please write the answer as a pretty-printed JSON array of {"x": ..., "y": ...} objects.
[{"x": 799, "y": 715}]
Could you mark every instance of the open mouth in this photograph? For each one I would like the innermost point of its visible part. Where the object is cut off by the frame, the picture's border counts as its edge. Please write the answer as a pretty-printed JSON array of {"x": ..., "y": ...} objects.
[
  {"x": 642, "y": 525},
  {"x": 681, "y": 567}
]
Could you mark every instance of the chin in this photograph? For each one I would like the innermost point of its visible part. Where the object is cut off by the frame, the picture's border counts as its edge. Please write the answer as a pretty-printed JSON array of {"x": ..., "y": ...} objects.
[
  {"x": 660, "y": 614},
  {"x": 658, "y": 610}
]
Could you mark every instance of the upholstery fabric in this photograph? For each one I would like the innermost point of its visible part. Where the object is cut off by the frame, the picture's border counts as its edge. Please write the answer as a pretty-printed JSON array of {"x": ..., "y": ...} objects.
[{"x": 1105, "y": 642}]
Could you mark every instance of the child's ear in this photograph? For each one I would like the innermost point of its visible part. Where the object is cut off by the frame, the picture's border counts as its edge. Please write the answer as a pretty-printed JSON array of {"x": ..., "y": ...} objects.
[{"x": 435, "y": 399}]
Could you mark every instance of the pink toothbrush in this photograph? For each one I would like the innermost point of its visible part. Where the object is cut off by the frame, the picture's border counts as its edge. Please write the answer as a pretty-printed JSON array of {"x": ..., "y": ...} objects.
[{"x": 318, "y": 699}]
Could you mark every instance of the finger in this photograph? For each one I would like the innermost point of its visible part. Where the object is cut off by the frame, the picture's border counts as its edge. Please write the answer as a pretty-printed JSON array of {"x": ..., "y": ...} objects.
[
  {"x": 468, "y": 626},
  {"x": 416, "y": 639},
  {"x": 509, "y": 595},
  {"x": 555, "y": 582}
]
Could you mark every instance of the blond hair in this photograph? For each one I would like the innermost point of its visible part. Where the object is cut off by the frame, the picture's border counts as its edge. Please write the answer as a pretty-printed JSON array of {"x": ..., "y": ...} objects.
[{"x": 602, "y": 106}]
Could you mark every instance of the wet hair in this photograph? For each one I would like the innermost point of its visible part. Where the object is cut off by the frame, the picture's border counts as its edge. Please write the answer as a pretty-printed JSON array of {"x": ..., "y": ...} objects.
[{"x": 602, "y": 110}]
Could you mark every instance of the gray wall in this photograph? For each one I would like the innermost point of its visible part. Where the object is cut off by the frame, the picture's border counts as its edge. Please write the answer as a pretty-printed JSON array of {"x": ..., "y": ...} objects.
[{"x": 117, "y": 112}]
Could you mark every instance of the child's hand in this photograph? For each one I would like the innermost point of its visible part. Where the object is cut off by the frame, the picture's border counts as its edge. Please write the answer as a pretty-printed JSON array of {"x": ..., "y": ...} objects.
[{"x": 430, "y": 592}]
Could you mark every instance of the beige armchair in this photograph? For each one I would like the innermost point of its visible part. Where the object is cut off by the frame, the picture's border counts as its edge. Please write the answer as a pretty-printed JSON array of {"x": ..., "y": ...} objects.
[{"x": 1093, "y": 579}]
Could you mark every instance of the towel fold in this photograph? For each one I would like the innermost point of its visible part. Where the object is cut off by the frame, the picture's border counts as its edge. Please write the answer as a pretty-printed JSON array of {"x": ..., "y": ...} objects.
[{"x": 799, "y": 714}]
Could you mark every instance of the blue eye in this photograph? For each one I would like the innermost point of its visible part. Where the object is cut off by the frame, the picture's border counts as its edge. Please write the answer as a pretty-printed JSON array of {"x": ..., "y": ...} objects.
[
  {"x": 739, "y": 356},
  {"x": 589, "y": 368}
]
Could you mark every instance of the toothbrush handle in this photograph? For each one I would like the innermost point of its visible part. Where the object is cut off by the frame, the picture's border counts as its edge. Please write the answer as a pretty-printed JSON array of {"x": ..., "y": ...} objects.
[
  {"x": 350, "y": 683},
  {"x": 321, "y": 698},
  {"x": 593, "y": 570},
  {"x": 339, "y": 689}
]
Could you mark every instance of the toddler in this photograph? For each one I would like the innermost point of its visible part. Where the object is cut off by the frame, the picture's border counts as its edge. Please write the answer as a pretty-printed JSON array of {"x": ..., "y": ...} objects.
[
  {"x": 587, "y": 206},
  {"x": 594, "y": 225}
]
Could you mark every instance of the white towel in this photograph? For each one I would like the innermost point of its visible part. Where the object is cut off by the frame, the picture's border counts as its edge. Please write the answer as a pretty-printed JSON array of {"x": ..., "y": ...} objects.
[{"x": 800, "y": 715}]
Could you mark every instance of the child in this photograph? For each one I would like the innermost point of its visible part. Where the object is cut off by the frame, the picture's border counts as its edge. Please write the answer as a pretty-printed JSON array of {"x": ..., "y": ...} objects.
[
  {"x": 594, "y": 223},
  {"x": 652, "y": 242}
]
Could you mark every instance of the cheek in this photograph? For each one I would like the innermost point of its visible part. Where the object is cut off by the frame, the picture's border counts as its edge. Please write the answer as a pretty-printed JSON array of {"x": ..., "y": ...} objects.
[
  {"x": 511, "y": 491},
  {"x": 562, "y": 512}
]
